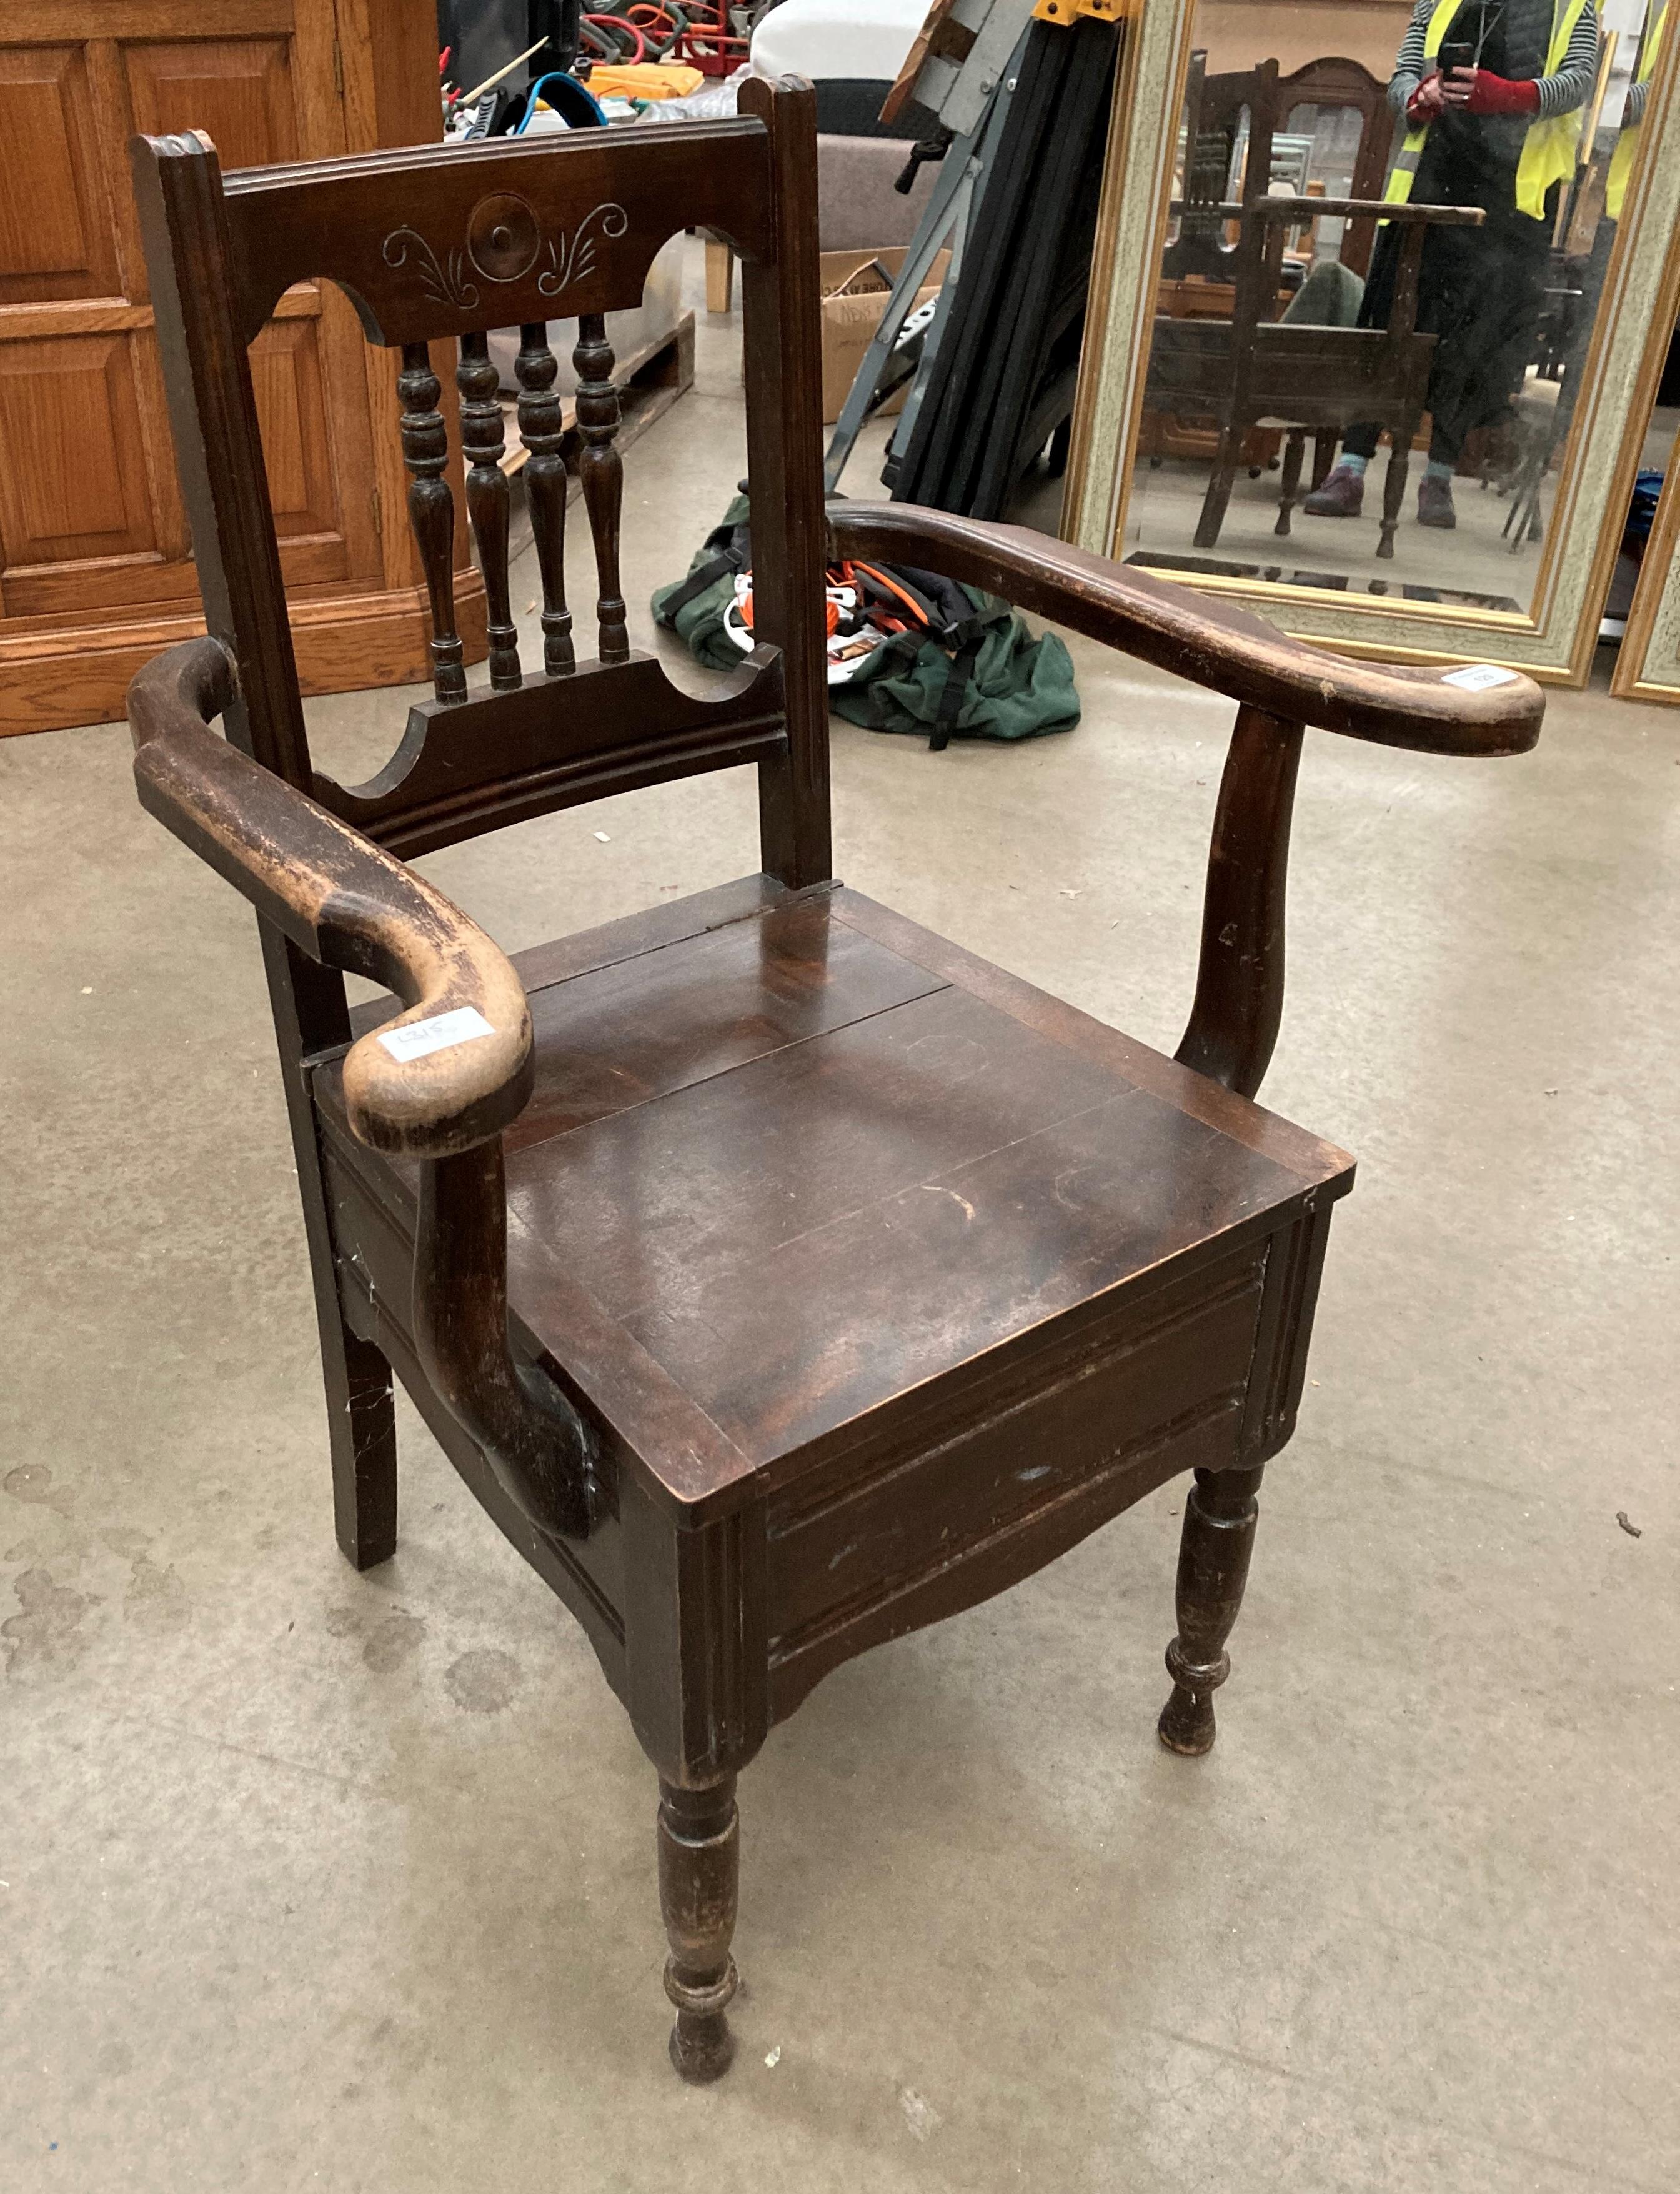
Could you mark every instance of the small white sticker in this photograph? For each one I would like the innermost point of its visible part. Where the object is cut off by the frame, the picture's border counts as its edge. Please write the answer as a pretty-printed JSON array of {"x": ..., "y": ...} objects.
[
  {"x": 1479, "y": 676},
  {"x": 415, "y": 1039}
]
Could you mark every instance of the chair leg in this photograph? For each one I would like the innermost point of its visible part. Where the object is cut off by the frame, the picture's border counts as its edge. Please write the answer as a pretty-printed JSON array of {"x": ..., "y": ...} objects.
[
  {"x": 699, "y": 1877},
  {"x": 1394, "y": 490},
  {"x": 719, "y": 276},
  {"x": 363, "y": 1427},
  {"x": 1218, "y": 1537},
  {"x": 1324, "y": 458},
  {"x": 1295, "y": 450},
  {"x": 1218, "y": 497}
]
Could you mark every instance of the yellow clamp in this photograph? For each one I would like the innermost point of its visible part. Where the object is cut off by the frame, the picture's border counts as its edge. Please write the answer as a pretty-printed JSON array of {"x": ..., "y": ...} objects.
[{"x": 1069, "y": 11}]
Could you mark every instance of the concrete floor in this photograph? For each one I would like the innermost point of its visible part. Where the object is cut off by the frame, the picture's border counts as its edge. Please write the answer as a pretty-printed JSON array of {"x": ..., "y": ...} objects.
[
  {"x": 1474, "y": 561},
  {"x": 315, "y": 1880}
]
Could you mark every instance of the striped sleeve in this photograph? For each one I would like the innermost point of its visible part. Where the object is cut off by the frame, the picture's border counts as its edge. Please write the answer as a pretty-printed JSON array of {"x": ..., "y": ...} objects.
[
  {"x": 1572, "y": 86},
  {"x": 1408, "y": 62},
  {"x": 1634, "y": 112}
]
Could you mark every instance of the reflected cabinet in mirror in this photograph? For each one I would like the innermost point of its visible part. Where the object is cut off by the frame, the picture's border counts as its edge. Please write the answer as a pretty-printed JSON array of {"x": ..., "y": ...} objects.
[{"x": 1376, "y": 312}]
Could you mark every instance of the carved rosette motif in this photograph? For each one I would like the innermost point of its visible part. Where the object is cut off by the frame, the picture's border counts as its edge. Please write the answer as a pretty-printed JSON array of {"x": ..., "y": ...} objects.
[{"x": 504, "y": 241}]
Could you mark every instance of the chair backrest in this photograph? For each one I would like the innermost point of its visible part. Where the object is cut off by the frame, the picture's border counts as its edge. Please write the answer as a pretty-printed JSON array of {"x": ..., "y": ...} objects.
[
  {"x": 1222, "y": 113},
  {"x": 1335, "y": 81},
  {"x": 437, "y": 246}
]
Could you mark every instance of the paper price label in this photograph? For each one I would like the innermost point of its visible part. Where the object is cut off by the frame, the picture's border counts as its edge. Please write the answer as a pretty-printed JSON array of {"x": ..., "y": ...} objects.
[
  {"x": 1476, "y": 677},
  {"x": 416, "y": 1039}
]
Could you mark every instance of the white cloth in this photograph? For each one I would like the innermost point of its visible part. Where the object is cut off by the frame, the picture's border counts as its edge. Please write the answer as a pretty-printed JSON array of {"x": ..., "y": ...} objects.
[{"x": 818, "y": 38}]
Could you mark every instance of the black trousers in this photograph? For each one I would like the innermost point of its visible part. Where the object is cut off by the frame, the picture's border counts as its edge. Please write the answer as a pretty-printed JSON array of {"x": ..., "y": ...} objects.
[{"x": 1479, "y": 292}]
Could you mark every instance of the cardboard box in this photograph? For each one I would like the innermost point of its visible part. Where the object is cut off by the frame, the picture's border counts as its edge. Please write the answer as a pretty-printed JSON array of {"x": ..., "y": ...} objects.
[{"x": 855, "y": 290}]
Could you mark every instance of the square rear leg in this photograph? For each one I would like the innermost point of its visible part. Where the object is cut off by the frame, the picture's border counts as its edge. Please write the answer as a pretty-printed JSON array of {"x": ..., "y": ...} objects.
[
  {"x": 361, "y": 1420},
  {"x": 1215, "y": 503}
]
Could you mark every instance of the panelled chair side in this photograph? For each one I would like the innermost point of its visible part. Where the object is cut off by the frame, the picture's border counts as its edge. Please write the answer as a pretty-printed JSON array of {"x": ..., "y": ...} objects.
[{"x": 778, "y": 1277}]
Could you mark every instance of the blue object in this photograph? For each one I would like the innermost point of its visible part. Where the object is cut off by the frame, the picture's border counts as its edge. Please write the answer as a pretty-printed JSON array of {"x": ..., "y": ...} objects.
[
  {"x": 579, "y": 108},
  {"x": 1643, "y": 510}
]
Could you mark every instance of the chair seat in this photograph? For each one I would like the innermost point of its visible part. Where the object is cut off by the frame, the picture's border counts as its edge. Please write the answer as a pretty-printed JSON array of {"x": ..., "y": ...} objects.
[
  {"x": 810, "y": 1157},
  {"x": 800, "y": 1180}
]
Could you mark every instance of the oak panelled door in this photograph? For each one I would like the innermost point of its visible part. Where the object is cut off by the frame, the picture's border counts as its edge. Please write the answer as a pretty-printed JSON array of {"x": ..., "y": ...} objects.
[{"x": 96, "y": 566}]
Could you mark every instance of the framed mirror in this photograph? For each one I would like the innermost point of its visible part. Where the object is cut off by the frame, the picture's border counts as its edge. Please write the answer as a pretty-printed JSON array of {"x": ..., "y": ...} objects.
[
  {"x": 1648, "y": 666},
  {"x": 1382, "y": 296}
]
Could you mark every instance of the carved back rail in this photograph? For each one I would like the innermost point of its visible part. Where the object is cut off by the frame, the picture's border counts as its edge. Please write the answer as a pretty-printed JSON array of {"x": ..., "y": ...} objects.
[{"x": 438, "y": 247}]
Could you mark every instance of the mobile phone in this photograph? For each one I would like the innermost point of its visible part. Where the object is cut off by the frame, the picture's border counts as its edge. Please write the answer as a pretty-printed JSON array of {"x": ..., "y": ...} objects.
[{"x": 1456, "y": 54}]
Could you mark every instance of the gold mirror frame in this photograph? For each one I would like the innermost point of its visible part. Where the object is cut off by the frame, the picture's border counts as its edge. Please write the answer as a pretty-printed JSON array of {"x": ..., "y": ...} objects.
[
  {"x": 1554, "y": 639},
  {"x": 1647, "y": 666}
]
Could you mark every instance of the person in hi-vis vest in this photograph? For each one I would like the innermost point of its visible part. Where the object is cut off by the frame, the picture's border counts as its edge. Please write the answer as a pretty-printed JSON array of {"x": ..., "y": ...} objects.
[
  {"x": 1633, "y": 114},
  {"x": 1490, "y": 90}
]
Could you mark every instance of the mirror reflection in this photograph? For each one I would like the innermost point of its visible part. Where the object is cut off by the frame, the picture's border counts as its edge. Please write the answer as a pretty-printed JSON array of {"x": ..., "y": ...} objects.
[{"x": 1381, "y": 277}]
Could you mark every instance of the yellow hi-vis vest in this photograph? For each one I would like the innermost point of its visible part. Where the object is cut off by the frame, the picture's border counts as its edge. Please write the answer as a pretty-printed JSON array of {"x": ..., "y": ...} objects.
[
  {"x": 1621, "y": 160},
  {"x": 1548, "y": 150}
]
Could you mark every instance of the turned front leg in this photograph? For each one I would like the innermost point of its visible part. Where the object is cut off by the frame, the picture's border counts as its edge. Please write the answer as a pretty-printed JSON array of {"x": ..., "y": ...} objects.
[
  {"x": 699, "y": 1878},
  {"x": 1218, "y": 1537}
]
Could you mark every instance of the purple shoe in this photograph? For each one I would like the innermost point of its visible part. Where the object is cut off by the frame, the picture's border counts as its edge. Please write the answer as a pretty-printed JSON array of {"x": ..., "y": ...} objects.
[
  {"x": 1342, "y": 496},
  {"x": 1434, "y": 503}
]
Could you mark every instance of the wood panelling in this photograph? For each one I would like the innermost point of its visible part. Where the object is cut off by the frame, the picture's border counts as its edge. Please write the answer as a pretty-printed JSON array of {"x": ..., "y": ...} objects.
[
  {"x": 95, "y": 569},
  {"x": 291, "y": 409},
  {"x": 238, "y": 91},
  {"x": 27, "y": 22},
  {"x": 67, "y": 407},
  {"x": 54, "y": 223}
]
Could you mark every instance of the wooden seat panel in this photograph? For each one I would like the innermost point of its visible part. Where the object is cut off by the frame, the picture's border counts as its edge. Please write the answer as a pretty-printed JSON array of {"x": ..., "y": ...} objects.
[
  {"x": 624, "y": 1035},
  {"x": 901, "y": 1225},
  {"x": 767, "y": 1104}
]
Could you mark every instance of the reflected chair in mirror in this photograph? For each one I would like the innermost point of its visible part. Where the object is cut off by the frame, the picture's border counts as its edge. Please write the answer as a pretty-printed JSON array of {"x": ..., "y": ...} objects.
[
  {"x": 1198, "y": 262},
  {"x": 778, "y": 1277},
  {"x": 1251, "y": 370},
  {"x": 1267, "y": 365},
  {"x": 1232, "y": 125}
]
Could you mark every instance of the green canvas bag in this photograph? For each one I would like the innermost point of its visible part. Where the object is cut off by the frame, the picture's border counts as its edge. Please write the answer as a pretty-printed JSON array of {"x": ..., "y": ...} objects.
[{"x": 975, "y": 672}]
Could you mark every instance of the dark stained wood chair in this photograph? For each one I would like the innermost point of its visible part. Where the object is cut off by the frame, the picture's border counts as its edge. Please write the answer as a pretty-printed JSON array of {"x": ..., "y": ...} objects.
[{"x": 779, "y": 1277}]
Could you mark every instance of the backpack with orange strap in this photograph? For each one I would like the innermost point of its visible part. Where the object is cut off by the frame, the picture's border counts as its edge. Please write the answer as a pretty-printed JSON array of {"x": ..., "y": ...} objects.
[{"x": 908, "y": 651}]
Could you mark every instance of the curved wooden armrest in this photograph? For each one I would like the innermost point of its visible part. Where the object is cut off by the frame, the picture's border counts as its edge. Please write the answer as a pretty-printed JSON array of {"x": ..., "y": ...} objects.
[
  {"x": 342, "y": 899},
  {"x": 346, "y": 904},
  {"x": 1394, "y": 704}
]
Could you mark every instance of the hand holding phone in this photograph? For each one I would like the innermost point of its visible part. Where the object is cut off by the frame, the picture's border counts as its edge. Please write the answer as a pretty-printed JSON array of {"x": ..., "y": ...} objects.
[{"x": 1428, "y": 99}]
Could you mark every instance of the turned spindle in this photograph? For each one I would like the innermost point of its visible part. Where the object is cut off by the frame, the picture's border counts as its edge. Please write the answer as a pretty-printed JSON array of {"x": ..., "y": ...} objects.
[
  {"x": 431, "y": 512},
  {"x": 1218, "y": 1537},
  {"x": 602, "y": 472},
  {"x": 483, "y": 440},
  {"x": 541, "y": 430}
]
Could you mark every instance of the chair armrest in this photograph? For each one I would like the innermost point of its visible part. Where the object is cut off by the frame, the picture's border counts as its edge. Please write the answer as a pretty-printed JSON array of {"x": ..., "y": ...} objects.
[
  {"x": 347, "y": 904},
  {"x": 1210, "y": 642},
  {"x": 1267, "y": 211}
]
